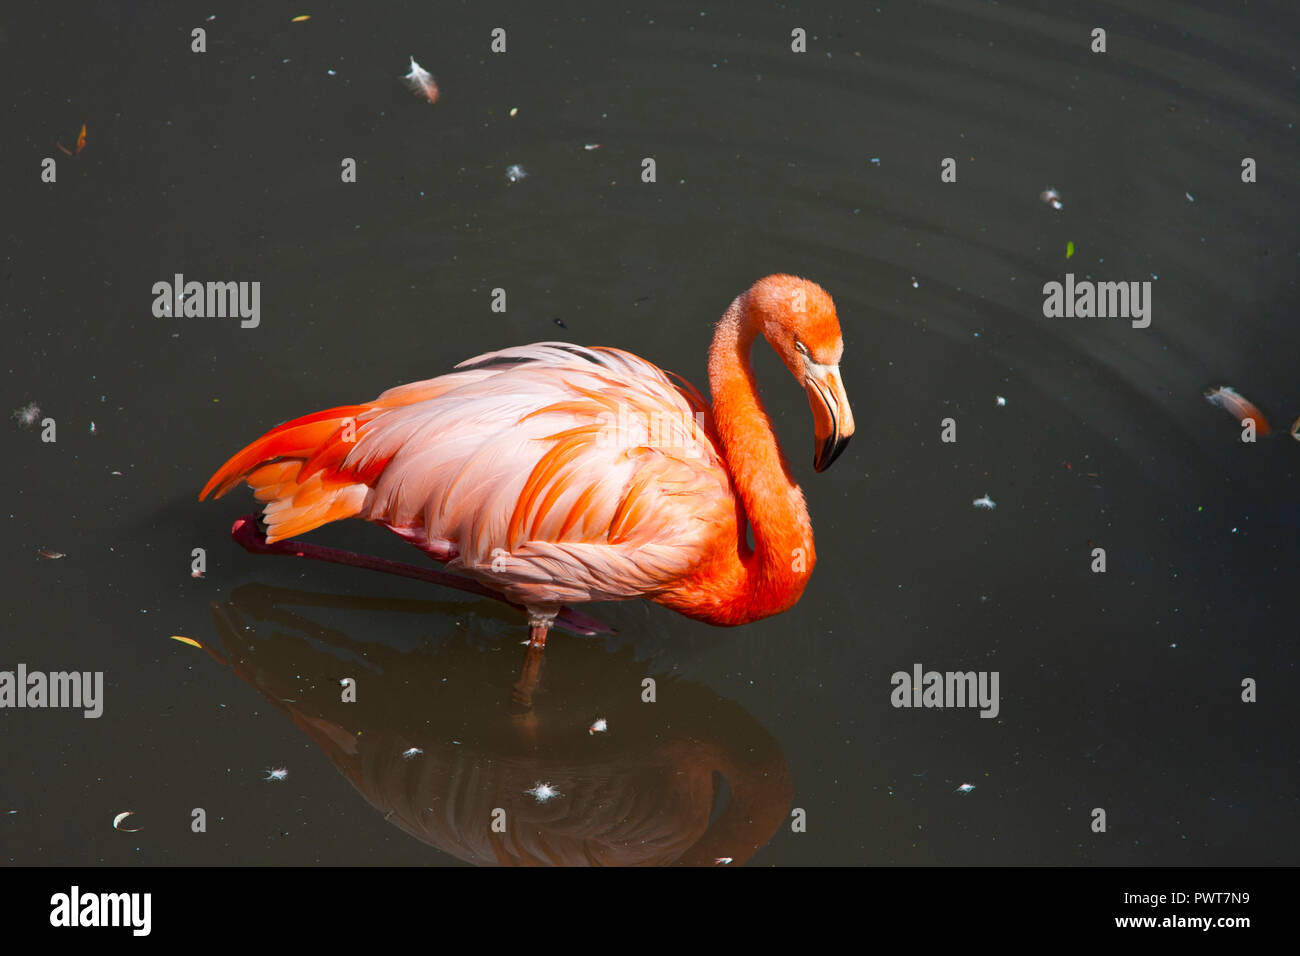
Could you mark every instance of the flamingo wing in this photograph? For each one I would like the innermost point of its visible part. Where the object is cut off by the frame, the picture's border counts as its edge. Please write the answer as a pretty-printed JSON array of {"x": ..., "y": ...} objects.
[{"x": 556, "y": 473}]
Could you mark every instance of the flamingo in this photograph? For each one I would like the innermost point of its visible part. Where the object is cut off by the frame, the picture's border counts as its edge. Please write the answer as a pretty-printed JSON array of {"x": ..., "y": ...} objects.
[{"x": 552, "y": 474}]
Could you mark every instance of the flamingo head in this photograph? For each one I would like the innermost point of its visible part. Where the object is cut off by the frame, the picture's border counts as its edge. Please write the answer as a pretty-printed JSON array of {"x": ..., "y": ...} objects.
[{"x": 798, "y": 319}]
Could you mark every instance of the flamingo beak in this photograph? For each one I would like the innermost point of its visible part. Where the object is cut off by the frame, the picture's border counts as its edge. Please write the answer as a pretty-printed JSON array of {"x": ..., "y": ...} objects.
[{"x": 832, "y": 417}]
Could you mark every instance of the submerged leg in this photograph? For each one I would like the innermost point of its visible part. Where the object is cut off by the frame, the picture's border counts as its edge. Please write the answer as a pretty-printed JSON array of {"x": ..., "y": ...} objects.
[
  {"x": 539, "y": 622},
  {"x": 521, "y": 693},
  {"x": 250, "y": 537}
]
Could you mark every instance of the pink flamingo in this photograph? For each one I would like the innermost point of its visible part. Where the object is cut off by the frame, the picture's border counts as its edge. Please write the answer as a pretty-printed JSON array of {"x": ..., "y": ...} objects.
[{"x": 553, "y": 474}]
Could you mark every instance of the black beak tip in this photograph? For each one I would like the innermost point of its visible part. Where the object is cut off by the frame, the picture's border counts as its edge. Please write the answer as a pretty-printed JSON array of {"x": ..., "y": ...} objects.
[{"x": 831, "y": 449}]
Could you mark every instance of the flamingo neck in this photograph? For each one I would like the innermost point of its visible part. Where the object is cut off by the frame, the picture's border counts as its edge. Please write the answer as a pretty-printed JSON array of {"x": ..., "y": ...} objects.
[{"x": 776, "y": 569}]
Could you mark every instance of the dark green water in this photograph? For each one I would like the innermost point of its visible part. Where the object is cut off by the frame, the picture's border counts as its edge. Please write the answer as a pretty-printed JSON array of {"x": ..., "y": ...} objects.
[{"x": 1119, "y": 690}]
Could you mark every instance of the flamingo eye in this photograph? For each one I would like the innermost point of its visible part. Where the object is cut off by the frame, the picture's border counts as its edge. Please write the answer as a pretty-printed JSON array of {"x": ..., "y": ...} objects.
[{"x": 800, "y": 347}]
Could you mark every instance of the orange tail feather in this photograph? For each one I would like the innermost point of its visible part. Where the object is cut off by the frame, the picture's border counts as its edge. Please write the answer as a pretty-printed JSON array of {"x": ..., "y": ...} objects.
[{"x": 297, "y": 469}]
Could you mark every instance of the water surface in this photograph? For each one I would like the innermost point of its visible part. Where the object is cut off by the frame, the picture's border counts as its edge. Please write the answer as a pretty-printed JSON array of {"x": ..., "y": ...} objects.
[{"x": 1120, "y": 691}]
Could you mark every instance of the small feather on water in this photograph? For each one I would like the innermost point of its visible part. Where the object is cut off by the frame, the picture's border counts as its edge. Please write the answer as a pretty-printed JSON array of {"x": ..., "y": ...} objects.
[
  {"x": 421, "y": 82},
  {"x": 543, "y": 792},
  {"x": 28, "y": 415},
  {"x": 1233, "y": 402}
]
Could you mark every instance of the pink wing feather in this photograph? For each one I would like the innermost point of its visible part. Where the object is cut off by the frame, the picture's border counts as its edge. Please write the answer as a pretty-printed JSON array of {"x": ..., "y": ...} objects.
[{"x": 555, "y": 473}]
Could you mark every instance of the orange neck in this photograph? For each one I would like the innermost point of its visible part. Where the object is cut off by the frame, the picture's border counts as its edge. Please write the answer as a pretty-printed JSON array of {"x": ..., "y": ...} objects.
[{"x": 770, "y": 577}]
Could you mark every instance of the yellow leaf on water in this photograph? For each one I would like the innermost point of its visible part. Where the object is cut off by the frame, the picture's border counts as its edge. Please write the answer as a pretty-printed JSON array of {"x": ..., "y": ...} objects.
[
  {"x": 305, "y": 16},
  {"x": 186, "y": 640}
]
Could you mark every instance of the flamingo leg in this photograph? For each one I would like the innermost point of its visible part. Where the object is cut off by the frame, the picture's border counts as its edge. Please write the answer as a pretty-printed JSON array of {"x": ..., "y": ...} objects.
[
  {"x": 249, "y": 536},
  {"x": 521, "y": 694},
  {"x": 539, "y": 622}
]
